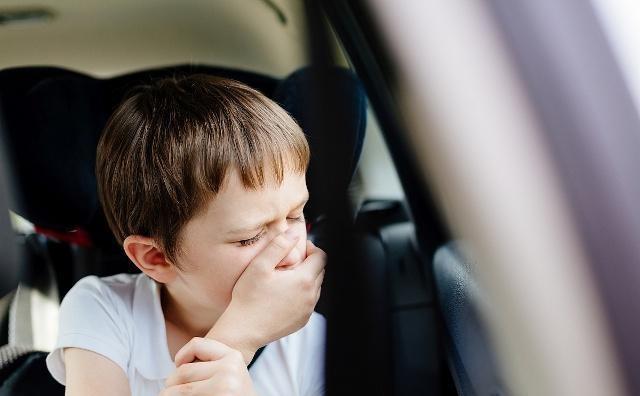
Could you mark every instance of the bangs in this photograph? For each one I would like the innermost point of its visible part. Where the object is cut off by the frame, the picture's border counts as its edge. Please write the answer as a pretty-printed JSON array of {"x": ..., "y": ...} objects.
[
  {"x": 267, "y": 156},
  {"x": 262, "y": 142}
]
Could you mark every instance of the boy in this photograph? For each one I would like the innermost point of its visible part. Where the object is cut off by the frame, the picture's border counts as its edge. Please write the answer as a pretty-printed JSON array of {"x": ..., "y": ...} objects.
[{"x": 202, "y": 181}]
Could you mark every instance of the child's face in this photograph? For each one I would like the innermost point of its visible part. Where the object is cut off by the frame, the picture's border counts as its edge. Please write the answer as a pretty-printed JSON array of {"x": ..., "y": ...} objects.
[{"x": 219, "y": 243}]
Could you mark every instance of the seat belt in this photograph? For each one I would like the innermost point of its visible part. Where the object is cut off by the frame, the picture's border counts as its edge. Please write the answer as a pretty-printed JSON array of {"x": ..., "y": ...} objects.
[{"x": 256, "y": 356}]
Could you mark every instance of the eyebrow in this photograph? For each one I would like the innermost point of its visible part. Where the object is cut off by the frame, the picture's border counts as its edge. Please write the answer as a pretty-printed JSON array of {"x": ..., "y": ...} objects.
[{"x": 257, "y": 226}]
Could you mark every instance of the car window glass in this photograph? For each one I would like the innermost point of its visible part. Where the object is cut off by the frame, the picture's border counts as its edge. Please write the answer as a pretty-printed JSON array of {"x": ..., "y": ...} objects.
[{"x": 621, "y": 23}]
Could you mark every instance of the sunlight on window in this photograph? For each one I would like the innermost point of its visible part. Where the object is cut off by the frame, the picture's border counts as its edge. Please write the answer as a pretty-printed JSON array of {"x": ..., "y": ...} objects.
[{"x": 621, "y": 20}]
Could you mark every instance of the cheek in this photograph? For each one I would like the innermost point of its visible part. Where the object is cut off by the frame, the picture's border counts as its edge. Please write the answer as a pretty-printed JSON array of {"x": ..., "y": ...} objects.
[
  {"x": 224, "y": 269},
  {"x": 239, "y": 259},
  {"x": 222, "y": 277}
]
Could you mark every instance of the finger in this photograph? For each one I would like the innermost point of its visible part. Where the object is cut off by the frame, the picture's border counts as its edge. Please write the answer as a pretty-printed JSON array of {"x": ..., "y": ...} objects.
[
  {"x": 191, "y": 372},
  {"x": 190, "y": 388},
  {"x": 203, "y": 349},
  {"x": 275, "y": 252},
  {"x": 313, "y": 249},
  {"x": 318, "y": 284},
  {"x": 314, "y": 263},
  {"x": 293, "y": 258},
  {"x": 320, "y": 279}
]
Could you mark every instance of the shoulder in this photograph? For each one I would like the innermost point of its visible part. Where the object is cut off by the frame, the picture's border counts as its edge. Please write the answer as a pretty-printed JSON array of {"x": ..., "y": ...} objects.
[
  {"x": 93, "y": 302},
  {"x": 92, "y": 294},
  {"x": 96, "y": 315},
  {"x": 116, "y": 289}
]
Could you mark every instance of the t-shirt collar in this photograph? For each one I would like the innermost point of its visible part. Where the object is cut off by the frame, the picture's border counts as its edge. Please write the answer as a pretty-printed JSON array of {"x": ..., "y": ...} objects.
[{"x": 150, "y": 351}]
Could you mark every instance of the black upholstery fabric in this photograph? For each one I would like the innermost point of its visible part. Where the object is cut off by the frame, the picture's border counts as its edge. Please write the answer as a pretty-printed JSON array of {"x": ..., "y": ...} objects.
[
  {"x": 10, "y": 355},
  {"x": 57, "y": 132},
  {"x": 470, "y": 351},
  {"x": 24, "y": 373},
  {"x": 295, "y": 95}
]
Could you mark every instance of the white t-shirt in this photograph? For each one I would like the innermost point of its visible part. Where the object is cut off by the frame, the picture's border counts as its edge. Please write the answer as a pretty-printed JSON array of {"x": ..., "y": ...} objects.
[{"x": 120, "y": 317}]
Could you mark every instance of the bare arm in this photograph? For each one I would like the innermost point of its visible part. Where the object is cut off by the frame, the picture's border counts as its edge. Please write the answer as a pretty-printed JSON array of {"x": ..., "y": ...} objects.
[{"x": 89, "y": 373}]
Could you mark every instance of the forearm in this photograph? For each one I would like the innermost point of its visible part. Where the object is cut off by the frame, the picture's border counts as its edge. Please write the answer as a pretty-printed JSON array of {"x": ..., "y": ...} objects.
[{"x": 231, "y": 332}]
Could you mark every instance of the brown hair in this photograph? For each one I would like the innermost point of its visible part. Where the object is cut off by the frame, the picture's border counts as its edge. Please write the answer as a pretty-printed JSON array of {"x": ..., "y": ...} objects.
[{"x": 167, "y": 149}]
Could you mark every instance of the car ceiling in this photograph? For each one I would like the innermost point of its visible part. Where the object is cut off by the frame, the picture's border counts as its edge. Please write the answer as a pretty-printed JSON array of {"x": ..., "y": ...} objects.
[{"x": 105, "y": 38}]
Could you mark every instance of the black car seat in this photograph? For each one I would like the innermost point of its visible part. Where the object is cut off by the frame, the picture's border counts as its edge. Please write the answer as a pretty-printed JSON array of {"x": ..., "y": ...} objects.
[
  {"x": 470, "y": 352},
  {"x": 53, "y": 119}
]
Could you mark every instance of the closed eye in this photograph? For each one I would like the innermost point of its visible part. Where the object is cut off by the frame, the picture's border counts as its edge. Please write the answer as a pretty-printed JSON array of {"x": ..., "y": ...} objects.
[
  {"x": 251, "y": 241},
  {"x": 299, "y": 218}
]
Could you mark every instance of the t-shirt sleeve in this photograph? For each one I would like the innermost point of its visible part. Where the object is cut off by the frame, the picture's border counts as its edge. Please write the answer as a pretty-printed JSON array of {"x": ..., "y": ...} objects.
[{"x": 91, "y": 317}]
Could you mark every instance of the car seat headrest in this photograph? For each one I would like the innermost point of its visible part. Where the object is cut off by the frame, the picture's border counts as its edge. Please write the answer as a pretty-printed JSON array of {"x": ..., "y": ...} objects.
[
  {"x": 55, "y": 146},
  {"x": 295, "y": 95},
  {"x": 11, "y": 259},
  {"x": 54, "y": 118}
]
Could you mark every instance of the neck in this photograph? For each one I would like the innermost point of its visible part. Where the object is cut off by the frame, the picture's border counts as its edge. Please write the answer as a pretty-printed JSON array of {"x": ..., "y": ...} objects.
[{"x": 192, "y": 318}]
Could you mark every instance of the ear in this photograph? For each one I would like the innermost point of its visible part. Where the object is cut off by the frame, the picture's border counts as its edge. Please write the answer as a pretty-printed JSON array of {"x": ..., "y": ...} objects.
[{"x": 147, "y": 255}]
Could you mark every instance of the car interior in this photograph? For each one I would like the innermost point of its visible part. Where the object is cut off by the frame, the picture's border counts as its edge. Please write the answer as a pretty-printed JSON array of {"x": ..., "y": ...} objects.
[
  {"x": 53, "y": 156},
  {"x": 406, "y": 309},
  {"x": 52, "y": 117}
]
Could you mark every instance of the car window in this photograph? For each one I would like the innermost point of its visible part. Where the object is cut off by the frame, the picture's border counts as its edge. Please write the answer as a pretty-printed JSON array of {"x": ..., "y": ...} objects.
[
  {"x": 376, "y": 170},
  {"x": 621, "y": 23},
  {"x": 376, "y": 176}
]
